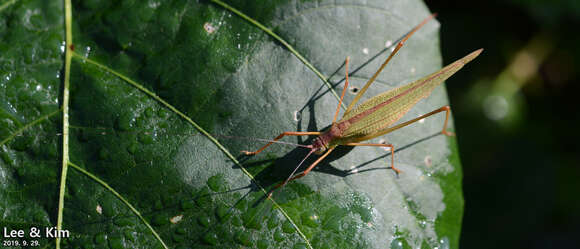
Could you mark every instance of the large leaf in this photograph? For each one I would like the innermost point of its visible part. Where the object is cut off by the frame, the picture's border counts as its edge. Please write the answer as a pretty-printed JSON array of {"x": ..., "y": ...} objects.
[{"x": 149, "y": 78}]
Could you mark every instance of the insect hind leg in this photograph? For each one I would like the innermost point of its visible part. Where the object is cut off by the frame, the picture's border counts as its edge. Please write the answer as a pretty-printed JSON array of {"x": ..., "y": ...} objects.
[{"x": 397, "y": 171}]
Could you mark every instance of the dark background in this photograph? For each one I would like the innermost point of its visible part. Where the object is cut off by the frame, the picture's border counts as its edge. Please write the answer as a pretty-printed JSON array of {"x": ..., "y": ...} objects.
[{"x": 517, "y": 119}]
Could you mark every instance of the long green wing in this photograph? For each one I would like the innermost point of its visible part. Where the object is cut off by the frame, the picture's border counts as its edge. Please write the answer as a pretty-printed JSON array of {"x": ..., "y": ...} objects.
[{"x": 371, "y": 118}]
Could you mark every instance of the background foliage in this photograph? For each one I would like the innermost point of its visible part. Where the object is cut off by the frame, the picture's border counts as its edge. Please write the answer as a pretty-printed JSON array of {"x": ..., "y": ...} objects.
[{"x": 519, "y": 149}]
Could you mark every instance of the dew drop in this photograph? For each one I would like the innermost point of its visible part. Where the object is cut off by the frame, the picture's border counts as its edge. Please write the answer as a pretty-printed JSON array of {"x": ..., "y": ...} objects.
[
  {"x": 62, "y": 46},
  {"x": 353, "y": 89},
  {"x": 87, "y": 51},
  {"x": 130, "y": 235},
  {"x": 99, "y": 209},
  {"x": 116, "y": 243},
  {"x": 365, "y": 51},
  {"x": 388, "y": 43},
  {"x": 383, "y": 141},
  {"x": 100, "y": 238},
  {"x": 399, "y": 243},
  {"x": 353, "y": 169},
  {"x": 145, "y": 138},
  {"x": 310, "y": 218},
  {"x": 204, "y": 221},
  {"x": 149, "y": 112},
  {"x": 444, "y": 243},
  {"x": 278, "y": 235},
  {"x": 297, "y": 116}
]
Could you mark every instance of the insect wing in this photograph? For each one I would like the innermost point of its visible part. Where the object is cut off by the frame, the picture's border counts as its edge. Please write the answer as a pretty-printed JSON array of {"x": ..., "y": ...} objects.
[{"x": 374, "y": 117}]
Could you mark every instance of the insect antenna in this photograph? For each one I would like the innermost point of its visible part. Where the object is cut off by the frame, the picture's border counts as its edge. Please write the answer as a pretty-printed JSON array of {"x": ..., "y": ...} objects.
[{"x": 312, "y": 150}]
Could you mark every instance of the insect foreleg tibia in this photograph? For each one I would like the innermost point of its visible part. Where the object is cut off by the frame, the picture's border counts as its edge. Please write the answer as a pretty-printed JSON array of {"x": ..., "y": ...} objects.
[
  {"x": 381, "y": 145},
  {"x": 288, "y": 133}
]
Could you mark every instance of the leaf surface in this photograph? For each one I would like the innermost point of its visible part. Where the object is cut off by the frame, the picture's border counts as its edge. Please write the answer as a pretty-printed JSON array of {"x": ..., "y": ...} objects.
[{"x": 202, "y": 62}]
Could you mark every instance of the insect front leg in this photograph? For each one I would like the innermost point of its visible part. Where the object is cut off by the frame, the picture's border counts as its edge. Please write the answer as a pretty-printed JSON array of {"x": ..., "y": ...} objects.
[
  {"x": 288, "y": 133},
  {"x": 381, "y": 145}
]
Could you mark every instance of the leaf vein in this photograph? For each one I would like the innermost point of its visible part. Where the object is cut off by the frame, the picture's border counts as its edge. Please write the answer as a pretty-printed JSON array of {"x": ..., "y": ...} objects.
[
  {"x": 328, "y": 6},
  {"x": 26, "y": 126},
  {"x": 286, "y": 44},
  {"x": 125, "y": 201},
  {"x": 196, "y": 126}
]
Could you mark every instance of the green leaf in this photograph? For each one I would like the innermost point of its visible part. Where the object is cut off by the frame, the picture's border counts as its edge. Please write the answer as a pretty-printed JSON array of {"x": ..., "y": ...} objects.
[{"x": 149, "y": 83}]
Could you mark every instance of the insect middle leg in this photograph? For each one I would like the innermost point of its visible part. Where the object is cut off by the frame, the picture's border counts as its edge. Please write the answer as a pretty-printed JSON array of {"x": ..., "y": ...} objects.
[
  {"x": 381, "y": 145},
  {"x": 288, "y": 133}
]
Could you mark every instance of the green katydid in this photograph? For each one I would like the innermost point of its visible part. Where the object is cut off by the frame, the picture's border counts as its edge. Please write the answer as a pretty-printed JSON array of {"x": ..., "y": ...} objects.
[{"x": 375, "y": 116}]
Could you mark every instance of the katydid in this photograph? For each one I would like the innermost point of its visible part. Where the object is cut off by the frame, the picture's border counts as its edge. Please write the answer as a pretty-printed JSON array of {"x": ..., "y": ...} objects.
[{"x": 376, "y": 116}]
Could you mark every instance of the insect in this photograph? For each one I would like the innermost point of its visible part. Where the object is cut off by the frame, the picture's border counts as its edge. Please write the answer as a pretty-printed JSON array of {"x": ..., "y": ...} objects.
[{"x": 376, "y": 116}]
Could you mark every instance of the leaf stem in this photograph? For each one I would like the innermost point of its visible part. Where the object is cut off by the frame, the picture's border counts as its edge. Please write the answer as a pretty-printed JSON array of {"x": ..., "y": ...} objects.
[{"x": 65, "y": 113}]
